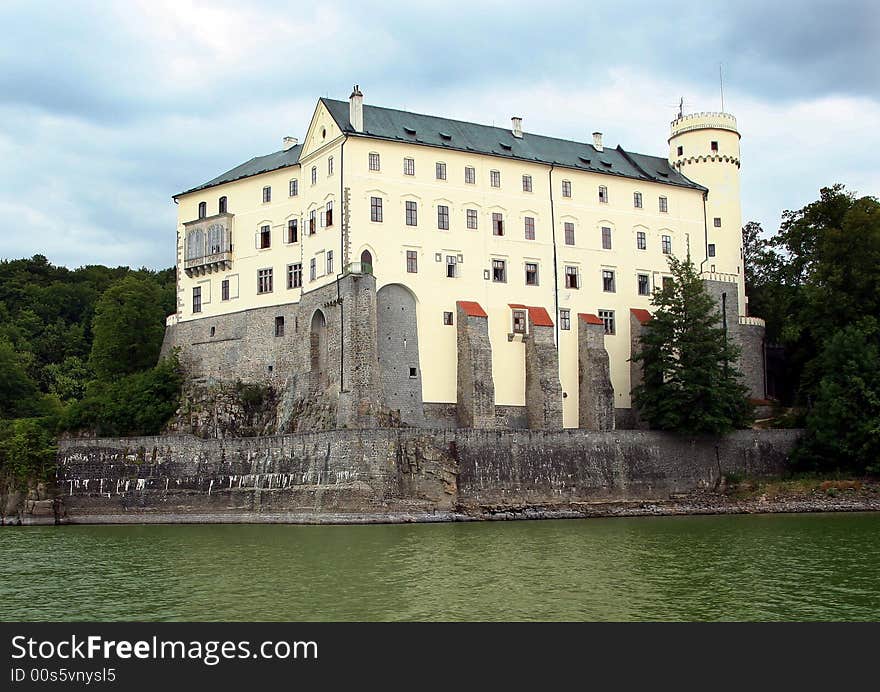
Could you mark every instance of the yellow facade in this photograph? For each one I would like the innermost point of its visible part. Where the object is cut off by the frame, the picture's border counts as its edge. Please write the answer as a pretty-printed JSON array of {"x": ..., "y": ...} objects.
[{"x": 349, "y": 185}]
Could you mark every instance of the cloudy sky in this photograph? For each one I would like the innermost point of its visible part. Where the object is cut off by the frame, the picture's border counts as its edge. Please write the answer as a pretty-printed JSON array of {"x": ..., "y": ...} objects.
[{"x": 109, "y": 108}]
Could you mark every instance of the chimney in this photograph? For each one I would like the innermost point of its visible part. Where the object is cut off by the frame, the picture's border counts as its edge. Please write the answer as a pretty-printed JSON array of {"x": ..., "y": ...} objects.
[
  {"x": 289, "y": 143},
  {"x": 597, "y": 141},
  {"x": 516, "y": 126},
  {"x": 356, "y": 109}
]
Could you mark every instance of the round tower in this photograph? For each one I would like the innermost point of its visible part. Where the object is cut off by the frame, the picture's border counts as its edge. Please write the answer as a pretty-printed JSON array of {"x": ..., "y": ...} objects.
[{"x": 705, "y": 148}]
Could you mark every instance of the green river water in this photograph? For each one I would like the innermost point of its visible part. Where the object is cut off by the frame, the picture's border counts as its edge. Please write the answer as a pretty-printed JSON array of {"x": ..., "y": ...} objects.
[{"x": 773, "y": 567}]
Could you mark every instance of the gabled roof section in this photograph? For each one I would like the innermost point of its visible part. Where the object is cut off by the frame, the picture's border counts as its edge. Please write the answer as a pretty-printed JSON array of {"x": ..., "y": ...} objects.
[
  {"x": 444, "y": 133},
  {"x": 257, "y": 165}
]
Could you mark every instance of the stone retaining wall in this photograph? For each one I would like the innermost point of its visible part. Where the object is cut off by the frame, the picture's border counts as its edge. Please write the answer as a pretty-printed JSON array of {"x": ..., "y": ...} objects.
[{"x": 393, "y": 474}]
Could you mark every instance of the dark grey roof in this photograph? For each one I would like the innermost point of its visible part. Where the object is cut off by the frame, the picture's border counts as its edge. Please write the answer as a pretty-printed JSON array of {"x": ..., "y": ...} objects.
[
  {"x": 257, "y": 165},
  {"x": 403, "y": 126}
]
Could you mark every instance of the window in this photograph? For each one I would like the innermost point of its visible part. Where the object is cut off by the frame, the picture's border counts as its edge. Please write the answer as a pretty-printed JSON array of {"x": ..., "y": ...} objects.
[
  {"x": 447, "y": 318},
  {"x": 531, "y": 274},
  {"x": 440, "y": 171},
  {"x": 608, "y": 281},
  {"x": 442, "y": 217},
  {"x": 607, "y": 317},
  {"x": 197, "y": 299},
  {"x": 313, "y": 269},
  {"x": 451, "y": 266},
  {"x": 376, "y": 209},
  {"x": 714, "y": 146},
  {"x": 264, "y": 281},
  {"x": 294, "y": 187},
  {"x": 470, "y": 175},
  {"x": 717, "y": 222},
  {"x": 314, "y": 174},
  {"x": 413, "y": 373},
  {"x": 329, "y": 214},
  {"x": 265, "y": 237},
  {"x": 295, "y": 275},
  {"x": 637, "y": 200},
  {"x": 606, "y": 238},
  {"x": 203, "y": 210},
  {"x": 279, "y": 325},
  {"x": 221, "y": 205},
  {"x": 412, "y": 214},
  {"x": 329, "y": 165},
  {"x": 267, "y": 194},
  {"x": 495, "y": 178},
  {"x": 412, "y": 262},
  {"x": 667, "y": 282},
  {"x": 641, "y": 240},
  {"x": 313, "y": 222},
  {"x": 409, "y": 166},
  {"x": 213, "y": 331},
  {"x": 530, "y": 228},
  {"x": 571, "y": 277},
  {"x": 519, "y": 321},
  {"x": 472, "y": 219},
  {"x": 527, "y": 183},
  {"x": 664, "y": 205},
  {"x": 497, "y": 224},
  {"x": 711, "y": 249},
  {"x": 603, "y": 194},
  {"x": 566, "y": 188},
  {"x": 499, "y": 271},
  {"x": 644, "y": 284},
  {"x": 666, "y": 244},
  {"x": 569, "y": 233},
  {"x": 292, "y": 230},
  {"x": 681, "y": 151},
  {"x": 565, "y": 319},
  {"x": 224, "y": 289}
]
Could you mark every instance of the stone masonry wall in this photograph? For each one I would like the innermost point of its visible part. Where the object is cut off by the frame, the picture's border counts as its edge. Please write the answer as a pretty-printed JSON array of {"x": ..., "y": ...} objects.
[
  {"x": 543, "y": 389},
  {"x": 392, "y": 474},
  {"x": 476, "y": 388},
  {"x": 596, "y": 393}
]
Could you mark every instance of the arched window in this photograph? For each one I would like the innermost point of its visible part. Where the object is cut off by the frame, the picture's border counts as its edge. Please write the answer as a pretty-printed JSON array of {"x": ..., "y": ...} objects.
[
  {"x": 318, "y": 349},
  {"x": 203, "y": 210},
  {"x": 195, "y": 244},
  {"x": 221, "y": 205}
]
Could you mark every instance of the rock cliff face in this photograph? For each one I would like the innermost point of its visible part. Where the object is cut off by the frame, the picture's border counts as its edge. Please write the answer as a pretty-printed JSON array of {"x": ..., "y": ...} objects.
[{"x": 404, "y": 474}]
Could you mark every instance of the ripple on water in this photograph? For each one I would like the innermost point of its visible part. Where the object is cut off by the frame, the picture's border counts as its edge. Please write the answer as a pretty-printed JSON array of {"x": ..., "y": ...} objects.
[{"x": 783, "y": 567}]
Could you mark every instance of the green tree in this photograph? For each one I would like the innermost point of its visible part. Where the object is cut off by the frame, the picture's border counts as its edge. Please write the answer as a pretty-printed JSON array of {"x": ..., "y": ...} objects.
[
  {"x": 137, "y": 404},
  {"x": 128, "y": 328},
  {"x": 843, "y": 425},
  {"x": 690, "y": 382},
  {"x": 18, "y": 392},
  {"x": 27, "y": 451}
]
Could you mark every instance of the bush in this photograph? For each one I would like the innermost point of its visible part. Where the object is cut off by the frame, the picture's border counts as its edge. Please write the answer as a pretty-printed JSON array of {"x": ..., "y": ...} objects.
[
  {"x": 137, "y": 404},
  {"x": 27, "y": 450}
]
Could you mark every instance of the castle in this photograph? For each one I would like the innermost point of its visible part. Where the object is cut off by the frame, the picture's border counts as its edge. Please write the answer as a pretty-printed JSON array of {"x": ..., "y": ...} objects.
[{"x": 395, "y": 268}]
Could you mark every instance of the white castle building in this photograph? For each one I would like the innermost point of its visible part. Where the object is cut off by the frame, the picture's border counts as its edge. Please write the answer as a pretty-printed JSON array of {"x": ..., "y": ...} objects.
[{"x": 447, "y": 273}]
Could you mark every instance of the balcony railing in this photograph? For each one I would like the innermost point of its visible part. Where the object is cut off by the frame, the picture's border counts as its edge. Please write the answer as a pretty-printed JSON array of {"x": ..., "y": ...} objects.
[
  {"x": 216, "y": 261},
  {"x": 359, "y": 268}
]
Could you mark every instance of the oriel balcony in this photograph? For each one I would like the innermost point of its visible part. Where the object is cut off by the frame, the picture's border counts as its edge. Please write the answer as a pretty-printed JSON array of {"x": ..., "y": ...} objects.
[{"x": 208, "y": 245}]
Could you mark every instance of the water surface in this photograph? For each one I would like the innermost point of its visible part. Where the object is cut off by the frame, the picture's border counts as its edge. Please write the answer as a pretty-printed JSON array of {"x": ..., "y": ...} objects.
[{"x": 774, "y": 567}]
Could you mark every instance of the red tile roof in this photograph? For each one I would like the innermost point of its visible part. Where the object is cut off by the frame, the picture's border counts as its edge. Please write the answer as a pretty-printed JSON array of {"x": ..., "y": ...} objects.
[
  {"x": 539, "y": 317},
  {"x": 589, "y": 318},
  {"x": 471, "y": 308},
  {"x": 642, "y": 316}
]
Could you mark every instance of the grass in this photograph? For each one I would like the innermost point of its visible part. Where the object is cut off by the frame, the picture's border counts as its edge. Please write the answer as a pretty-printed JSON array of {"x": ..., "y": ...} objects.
[{"x": 799, "y": 484}]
